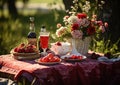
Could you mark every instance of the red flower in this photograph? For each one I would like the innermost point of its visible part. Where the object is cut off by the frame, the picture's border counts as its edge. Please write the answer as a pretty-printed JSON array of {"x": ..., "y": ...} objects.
[
  {"x": 91, "y": 30},
  {"x": 81, "y": 15},
  {"x": 74, "y": 27}
]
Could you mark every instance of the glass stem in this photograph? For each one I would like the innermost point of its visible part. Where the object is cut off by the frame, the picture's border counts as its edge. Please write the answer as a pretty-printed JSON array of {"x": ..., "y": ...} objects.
[{"x": 44, "y": 51}]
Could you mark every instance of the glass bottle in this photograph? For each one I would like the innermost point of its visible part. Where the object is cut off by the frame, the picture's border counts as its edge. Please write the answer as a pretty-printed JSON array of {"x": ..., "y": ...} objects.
[{"x": 32, "y": 35}]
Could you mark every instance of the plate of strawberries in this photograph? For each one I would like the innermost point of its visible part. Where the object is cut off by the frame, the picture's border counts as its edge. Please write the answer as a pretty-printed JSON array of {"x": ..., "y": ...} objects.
[
  {"x": 25, "y": 51},
  {"x": 73, "y": 58},
  {"x": 49, "y": 59}
]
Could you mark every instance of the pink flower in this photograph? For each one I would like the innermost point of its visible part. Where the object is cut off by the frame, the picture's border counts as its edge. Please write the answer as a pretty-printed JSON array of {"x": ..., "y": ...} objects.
[
  {"x": 77, "y": 34},
  {"x": 59, "y": 25},
  {"x": 81, "y": 15},
  {"x": 102, "y": 28},
  {"x": 106, "y": 24},
  {"x": 66, "y": 17},
  {"x": 100, "y": 23},
  {"x": 85, "y": 22}
]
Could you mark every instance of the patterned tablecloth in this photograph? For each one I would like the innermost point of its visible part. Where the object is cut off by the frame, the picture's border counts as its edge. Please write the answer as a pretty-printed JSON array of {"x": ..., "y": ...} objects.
[{"x": 87, "y": 72}]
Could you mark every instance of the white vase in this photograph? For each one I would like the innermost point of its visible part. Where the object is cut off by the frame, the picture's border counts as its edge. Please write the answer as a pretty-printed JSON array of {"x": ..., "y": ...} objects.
[
  {"x": 74, "y": 50},
  {"x": 80, "y": 46}
]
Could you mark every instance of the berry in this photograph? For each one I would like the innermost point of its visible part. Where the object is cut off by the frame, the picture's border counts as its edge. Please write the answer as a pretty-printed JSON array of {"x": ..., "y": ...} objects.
[
  {"x": 58, "y": 44},
  {"x": 16, "y": 49},
  {"x": 28, "y": 48},
  {"x": 22, "y": 45},
  {"x": 50, "y": 58}
]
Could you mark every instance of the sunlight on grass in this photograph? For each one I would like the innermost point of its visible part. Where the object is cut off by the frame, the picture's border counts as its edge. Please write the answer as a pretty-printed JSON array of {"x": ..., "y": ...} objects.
[{"x": 14, "y": 32}]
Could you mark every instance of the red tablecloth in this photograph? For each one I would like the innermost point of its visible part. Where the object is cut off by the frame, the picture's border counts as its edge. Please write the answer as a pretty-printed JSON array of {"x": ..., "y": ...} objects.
[{"x": 87, "y": 72}]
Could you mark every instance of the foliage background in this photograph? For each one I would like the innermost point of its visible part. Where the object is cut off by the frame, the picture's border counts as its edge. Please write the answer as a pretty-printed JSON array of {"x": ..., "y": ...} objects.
[{"x": 14, "y": 26}]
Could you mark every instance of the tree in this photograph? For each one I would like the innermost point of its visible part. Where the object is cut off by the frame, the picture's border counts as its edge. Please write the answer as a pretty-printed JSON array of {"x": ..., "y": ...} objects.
[
  {"x": 68, "y": 4},
  {"x": 12, "y": 8},
  {"x": 11, "y": 5}
]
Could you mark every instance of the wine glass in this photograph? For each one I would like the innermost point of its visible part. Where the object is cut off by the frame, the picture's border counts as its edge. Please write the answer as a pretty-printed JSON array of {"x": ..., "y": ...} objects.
[{"x": 44, "y": 40}]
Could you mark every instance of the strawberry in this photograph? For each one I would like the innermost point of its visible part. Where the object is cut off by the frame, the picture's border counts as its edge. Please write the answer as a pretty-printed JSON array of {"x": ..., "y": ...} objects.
[
  {"x": 80, "y": 57},
  {"x": 50, "y": 58},
  {"x": 58, "y": 44},
  {"x": 44, "y": 59},
  {"x": 15, "y": 49},
  {"x": 57, "y": 59},
  {"x": 50, "y": 55},
  {"x": 25, "y": 48},
  {"x": 22, "y": 45},
  {"x": 21, "y": 50}
]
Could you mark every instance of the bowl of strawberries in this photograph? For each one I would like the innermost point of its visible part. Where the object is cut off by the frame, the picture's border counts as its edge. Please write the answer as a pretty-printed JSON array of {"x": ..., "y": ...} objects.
[
  {"x": 49, "y": 59},
  {"x": 25, "y": 51}
]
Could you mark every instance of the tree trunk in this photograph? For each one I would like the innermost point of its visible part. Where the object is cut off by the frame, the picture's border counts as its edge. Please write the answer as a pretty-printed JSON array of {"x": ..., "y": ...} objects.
[
  {"x": 68, "y": 4},
  {"x": 115, "y": 21},
  {"x": 12, "y": 8}
]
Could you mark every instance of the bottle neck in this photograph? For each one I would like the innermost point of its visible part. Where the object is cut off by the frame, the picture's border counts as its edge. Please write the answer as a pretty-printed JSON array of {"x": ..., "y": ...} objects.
[
  {"x": 43, "y": 29},
  {"x": 32, "y": 33},
  {"x": 32, "y": 27}
]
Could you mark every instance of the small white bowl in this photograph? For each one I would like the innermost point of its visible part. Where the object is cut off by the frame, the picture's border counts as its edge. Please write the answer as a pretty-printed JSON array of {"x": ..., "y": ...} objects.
[{"x": 62, "y": 49}]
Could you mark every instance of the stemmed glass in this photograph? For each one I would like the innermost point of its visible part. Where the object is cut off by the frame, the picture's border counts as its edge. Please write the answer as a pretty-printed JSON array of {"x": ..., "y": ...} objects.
[{"x": 44, "y": 40}]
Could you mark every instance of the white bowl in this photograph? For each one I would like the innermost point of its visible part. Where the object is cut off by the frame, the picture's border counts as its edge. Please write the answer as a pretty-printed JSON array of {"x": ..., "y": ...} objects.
[{"x": 61, "y": 50}]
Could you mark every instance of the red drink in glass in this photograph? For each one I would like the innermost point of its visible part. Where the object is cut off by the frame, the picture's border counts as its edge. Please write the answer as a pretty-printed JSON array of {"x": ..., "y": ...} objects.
[{"x": 44, "y": 39}]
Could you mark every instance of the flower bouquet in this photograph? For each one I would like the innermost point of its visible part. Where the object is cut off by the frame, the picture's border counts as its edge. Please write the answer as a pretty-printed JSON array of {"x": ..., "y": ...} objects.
[{"x": 80, "y": 26}]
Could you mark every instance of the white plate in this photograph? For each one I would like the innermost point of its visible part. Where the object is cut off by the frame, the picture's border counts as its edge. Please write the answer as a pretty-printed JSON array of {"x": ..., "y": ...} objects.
[
  {"x": 66, "y": 58},
  {"x": 47, "y": 63}
]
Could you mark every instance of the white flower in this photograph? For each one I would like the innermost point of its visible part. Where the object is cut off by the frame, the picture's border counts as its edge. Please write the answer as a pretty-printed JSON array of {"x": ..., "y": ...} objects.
[
  {"x": 86, "y": 7},
  {"x": 61, "y": 31},
  {"x": 65, "y": 19},
  {"x": 73, "y": 19}
]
